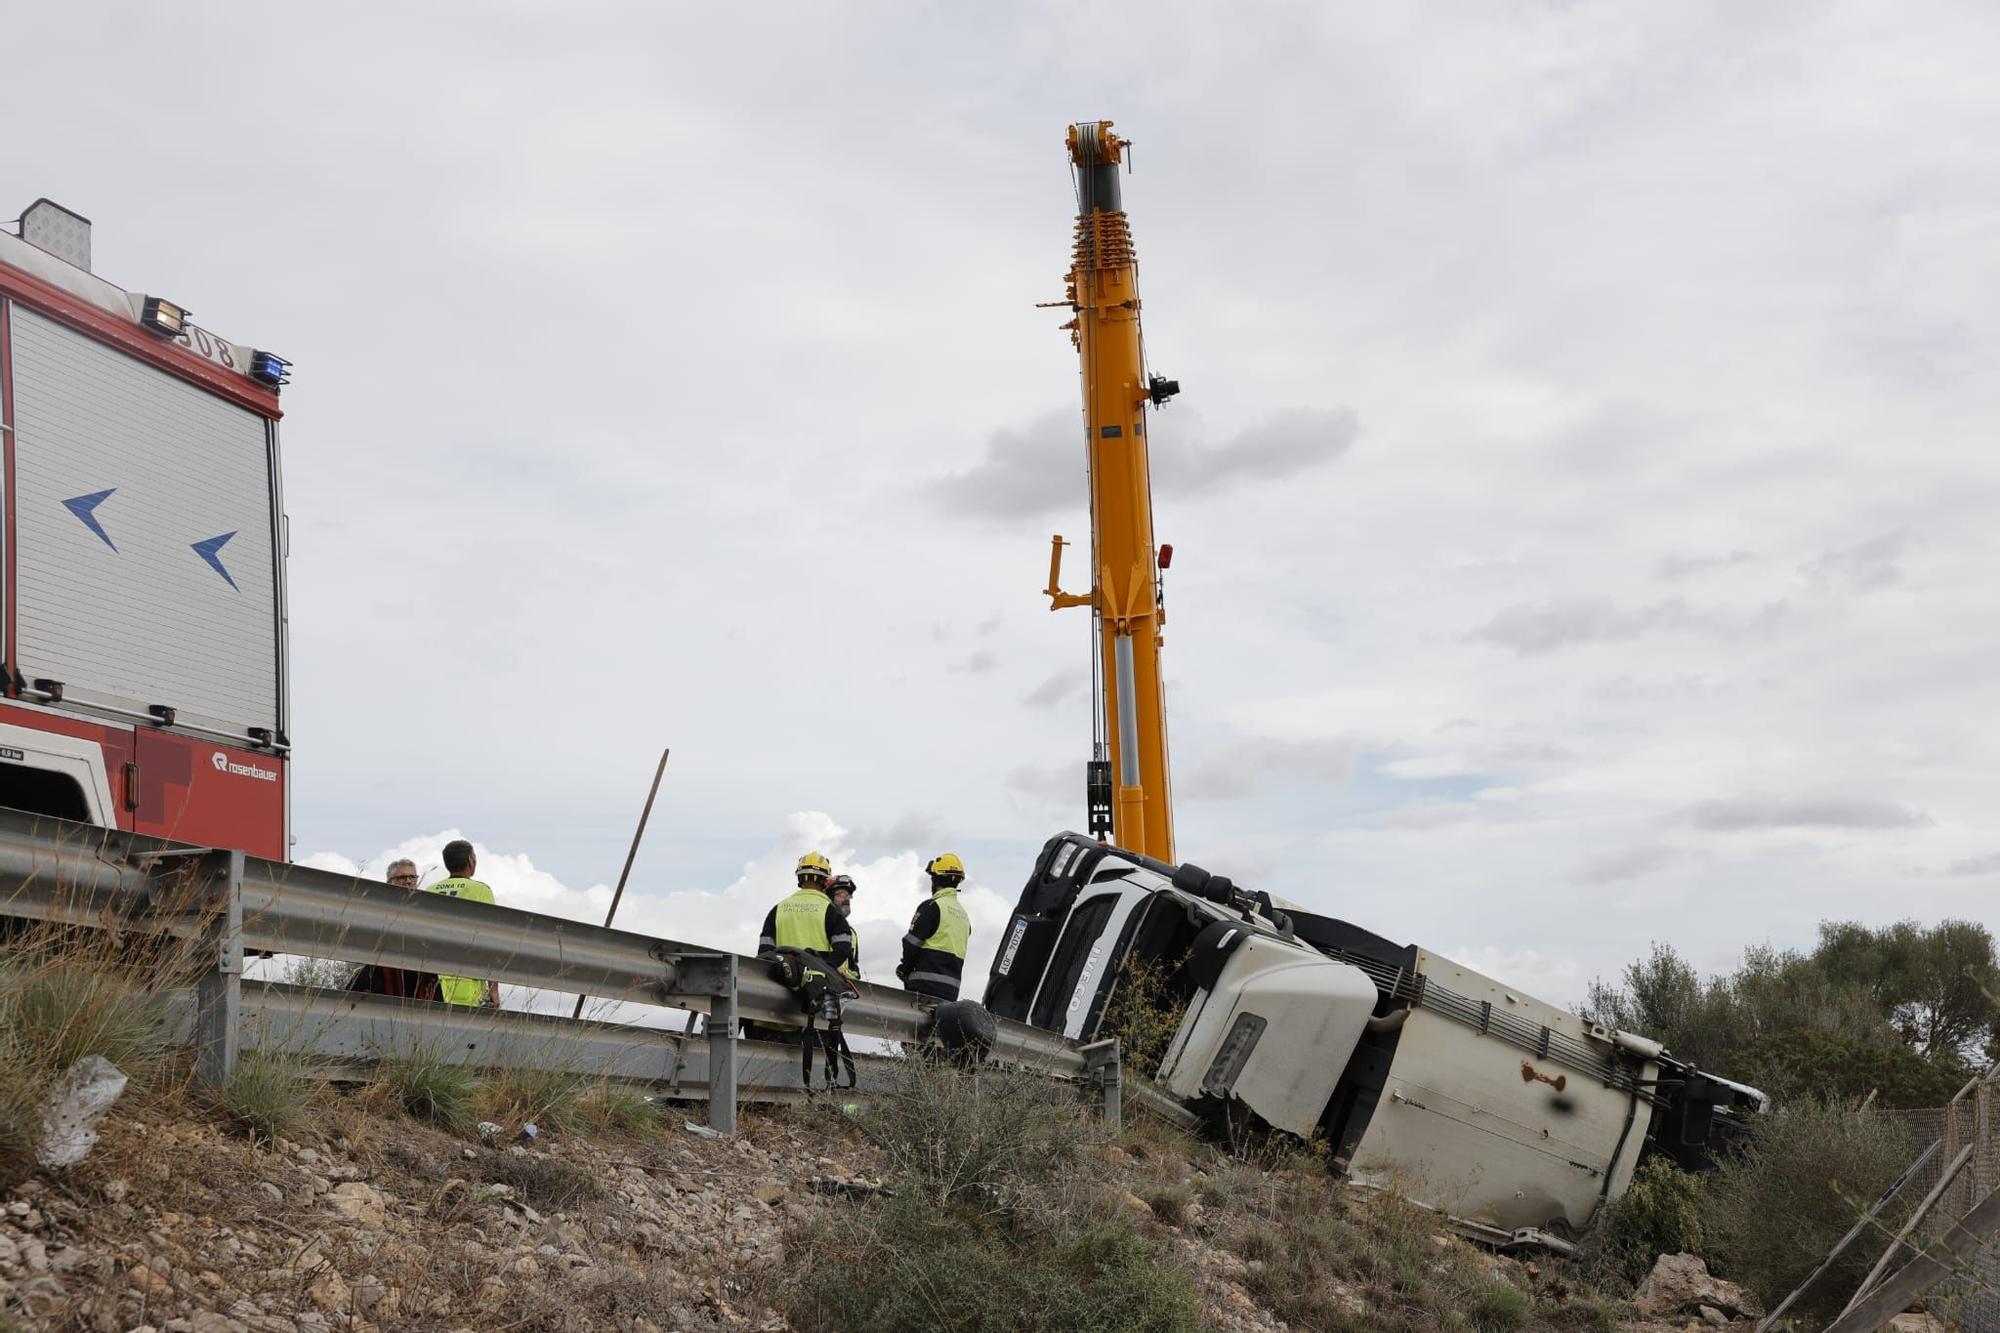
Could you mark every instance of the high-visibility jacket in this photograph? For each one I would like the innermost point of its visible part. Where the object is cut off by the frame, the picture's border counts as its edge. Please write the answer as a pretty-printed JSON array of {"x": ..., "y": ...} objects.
[
  {"x": 852, "y": 967},
  {"x": 808, "y": 920},
  {"x": 462, "y": 990},
  {"x": 934, "y": 950}
]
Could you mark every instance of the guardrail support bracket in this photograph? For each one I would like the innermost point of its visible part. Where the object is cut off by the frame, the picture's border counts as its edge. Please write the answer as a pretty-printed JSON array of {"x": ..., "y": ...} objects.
[
  {"x": 1101, "y": 1059},
  {"x": 722, "y": 1052},
  {"x": 219, "y": 987}
]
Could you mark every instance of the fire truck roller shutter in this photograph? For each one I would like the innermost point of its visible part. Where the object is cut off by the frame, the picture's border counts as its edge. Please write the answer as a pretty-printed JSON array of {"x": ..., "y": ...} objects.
[{"x": 144, "y": 517}]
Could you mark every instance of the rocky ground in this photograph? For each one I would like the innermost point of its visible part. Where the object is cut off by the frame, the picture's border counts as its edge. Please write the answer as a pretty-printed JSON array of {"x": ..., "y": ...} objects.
[
  {"x": 369, "y": 1220},
  {"x": 380, "y": 1222}
]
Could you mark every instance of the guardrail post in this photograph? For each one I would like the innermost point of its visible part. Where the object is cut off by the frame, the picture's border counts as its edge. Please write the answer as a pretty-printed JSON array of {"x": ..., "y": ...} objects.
[
  {"x": 219, "y": 987},
  {"x": 1114, "y": 1092},
  {"x": 1101, "y": 1058},
  {"x": 722, "y": 1053}
]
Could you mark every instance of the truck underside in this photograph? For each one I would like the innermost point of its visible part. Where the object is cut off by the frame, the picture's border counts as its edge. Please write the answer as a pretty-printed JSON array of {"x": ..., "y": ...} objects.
[{"x": 1514, "y": 1118}]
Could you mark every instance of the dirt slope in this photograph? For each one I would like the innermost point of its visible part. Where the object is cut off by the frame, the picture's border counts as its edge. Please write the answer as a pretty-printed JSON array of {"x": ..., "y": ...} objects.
[{"x": 369, "y": 1220}]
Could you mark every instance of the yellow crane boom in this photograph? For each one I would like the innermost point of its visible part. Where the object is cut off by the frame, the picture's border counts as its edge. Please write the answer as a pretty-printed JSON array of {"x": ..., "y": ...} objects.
[{"x": 1130, "y": 797}]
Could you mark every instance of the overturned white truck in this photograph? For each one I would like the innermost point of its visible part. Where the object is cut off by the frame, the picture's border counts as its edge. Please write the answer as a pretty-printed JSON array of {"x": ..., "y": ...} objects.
[{"x": 1512, "y": 1117}]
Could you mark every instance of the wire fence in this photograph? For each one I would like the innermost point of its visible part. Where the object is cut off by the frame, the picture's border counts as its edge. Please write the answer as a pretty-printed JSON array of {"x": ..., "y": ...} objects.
[{"x": 1970, "y": 1297}]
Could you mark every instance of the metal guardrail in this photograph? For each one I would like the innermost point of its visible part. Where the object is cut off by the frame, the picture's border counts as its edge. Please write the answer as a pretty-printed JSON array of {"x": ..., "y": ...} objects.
[{"x": 224, "y": 904}]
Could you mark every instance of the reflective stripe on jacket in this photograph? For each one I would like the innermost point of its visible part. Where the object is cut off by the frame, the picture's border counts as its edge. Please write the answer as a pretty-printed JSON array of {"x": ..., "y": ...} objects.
[
  {"x": 935, "y": 962},
  {"x": 462, "y": 990},
  {"x": 852, "y": 967}
]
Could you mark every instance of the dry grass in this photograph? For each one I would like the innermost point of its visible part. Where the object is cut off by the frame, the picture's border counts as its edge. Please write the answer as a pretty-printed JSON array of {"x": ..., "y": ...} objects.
[
  {"x": 551, "y": 1100},
  {"x": 617, "y": 1108},
  {"x": 67, "y": 993},
  {"x": 267, "y": 1095},
  {"x": 541, "y": 1181},
  {"x": 62, "y": 1002},
  {"x": 432, "y": 1089},
  {"x": 1319, "y": 1255}
]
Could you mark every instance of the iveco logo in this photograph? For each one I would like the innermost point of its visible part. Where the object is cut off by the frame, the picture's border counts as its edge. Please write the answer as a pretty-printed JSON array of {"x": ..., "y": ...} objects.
[
  {"x": 1083, "y": 990},
  {"x": 223, "y": 765}
]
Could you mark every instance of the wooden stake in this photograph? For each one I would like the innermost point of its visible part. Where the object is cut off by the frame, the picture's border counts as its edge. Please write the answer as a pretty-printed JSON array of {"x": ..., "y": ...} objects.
[
  {"x": 631, "y": 855},
  {"x": 1923, "y": 1272}
]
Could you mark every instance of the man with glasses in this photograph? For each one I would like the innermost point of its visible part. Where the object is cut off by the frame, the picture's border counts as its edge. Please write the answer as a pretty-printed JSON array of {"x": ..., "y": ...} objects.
[{"x": 402, "y": 982}]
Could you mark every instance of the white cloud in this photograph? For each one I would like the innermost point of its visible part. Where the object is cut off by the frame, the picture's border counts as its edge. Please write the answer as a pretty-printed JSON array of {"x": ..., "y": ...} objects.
[
  {"x": 1737, "y": 813},
  {"x": 889, "y": 886},
  {"x": 1022, "y": 465},
  {"x": 1530, "y": 630},
  {"x": 1864, "y": 567},
  {"x": 1550, "y": 978},
  {"x": 1628, "y": 863}
]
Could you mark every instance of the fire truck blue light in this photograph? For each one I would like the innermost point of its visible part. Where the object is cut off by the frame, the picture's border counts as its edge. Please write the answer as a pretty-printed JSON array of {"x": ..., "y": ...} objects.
[{"x": 270, "y": 368}]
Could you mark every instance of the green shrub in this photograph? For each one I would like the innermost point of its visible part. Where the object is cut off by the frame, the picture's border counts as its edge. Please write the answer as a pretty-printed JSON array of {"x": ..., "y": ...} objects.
[
  {"x": 21, "y": 1094},
  {"x": 1169, "y": 1203},
  {"x": 915, "y": 1263},
  {"x": 266, "y": 1095},
  {"x": 1771, "y": 1214},
  {"x": 60, "y": 1009},
  {"x": 1144, "y": 1013},
  {"x": 994, "y": 1225},
  {"x": 981, "y": 1137},
  {"x": 1660, "y": 1213},
  {"x": 429, "y": 1088},
  {"x": 1501, "y": 1308}
]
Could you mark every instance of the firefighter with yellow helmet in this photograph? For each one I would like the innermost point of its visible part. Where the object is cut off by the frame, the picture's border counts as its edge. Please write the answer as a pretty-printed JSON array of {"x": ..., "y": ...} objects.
[
  {"x": 934, "y": 950},
  {"x": 809, "y": 919}
]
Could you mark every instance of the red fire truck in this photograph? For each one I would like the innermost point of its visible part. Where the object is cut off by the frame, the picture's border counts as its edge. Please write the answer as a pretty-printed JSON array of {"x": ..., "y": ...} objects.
[{"x": 142, "y": 557}]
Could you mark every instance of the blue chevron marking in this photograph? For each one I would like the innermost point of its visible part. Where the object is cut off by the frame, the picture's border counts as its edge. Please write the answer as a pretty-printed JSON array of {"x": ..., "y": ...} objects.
[
  {"x": 209, "y": 549},
  {"x": 85, "y": 508}
]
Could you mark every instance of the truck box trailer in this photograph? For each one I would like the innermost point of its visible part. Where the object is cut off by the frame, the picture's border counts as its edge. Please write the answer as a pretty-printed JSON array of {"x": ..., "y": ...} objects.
[
  {"x": 1516, "y": 1119},
  {"x": 142, "y": 557}
]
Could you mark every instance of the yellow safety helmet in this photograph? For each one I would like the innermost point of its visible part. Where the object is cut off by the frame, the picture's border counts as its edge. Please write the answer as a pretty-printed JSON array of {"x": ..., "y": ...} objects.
[
  {"x": 947, "y": 864},
  {"x": 814, "y": 864}
]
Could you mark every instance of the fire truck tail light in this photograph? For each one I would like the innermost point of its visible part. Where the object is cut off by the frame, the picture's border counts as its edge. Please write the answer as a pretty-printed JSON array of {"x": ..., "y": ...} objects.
[
  {"x": 270, "y": 368},
  {"x": 163, "y": 317}
]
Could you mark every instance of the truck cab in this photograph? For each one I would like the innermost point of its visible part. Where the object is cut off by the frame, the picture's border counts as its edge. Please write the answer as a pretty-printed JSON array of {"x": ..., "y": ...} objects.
[{"x": 1514, "y": 1118}]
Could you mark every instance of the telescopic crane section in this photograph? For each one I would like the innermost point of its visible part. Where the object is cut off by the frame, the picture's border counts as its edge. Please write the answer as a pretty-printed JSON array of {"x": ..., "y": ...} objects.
[{"x": 1103, "y": 291}]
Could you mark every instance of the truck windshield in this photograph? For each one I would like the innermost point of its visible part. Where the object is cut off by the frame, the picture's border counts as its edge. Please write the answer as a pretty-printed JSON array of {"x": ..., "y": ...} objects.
[{"x": 1086, "y": 922}]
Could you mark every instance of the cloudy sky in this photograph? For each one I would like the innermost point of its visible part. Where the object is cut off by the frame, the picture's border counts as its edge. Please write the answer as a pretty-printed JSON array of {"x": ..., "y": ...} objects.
[{"x": 1583, "y": 489}]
